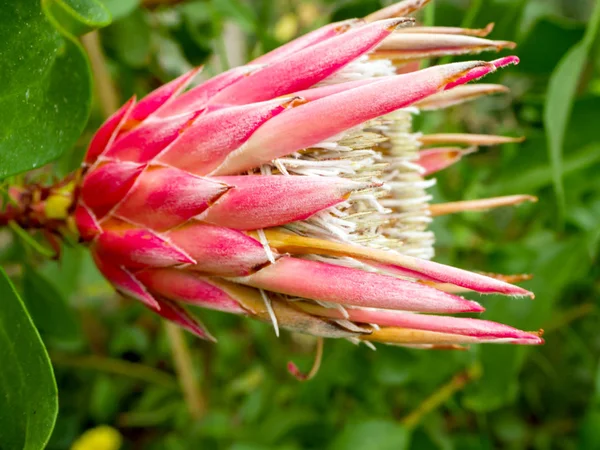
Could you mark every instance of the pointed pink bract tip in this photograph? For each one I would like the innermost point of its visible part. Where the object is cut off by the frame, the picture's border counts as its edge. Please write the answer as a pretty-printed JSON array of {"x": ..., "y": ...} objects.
[{"x": 507, "y": 60}]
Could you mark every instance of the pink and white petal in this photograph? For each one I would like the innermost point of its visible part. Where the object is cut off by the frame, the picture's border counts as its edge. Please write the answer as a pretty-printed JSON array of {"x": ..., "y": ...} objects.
[
  {"x": 179, "y": 316},
  {"x": 218, "y": 250},
  {"x": 107, "y": 184},
  {"x": 398, "y": 9},
  {"x": 316, "y": 121},
  {"x": 215, "y": 134},
  {"x": 435, "y": 159},
  {"x": 160, "y": 97},
  {"x": 458, "y": 95},
  {"x": 307, "y": 67},
  {"x": 189, "y": 287},
  {"x": 108, "y": 132},
  {"x": 348, "y": 286},
  {"x": 479, "y": 72},
  {"x": 197, "y": 98},
  {"x": 164, "y": 197},
  {"x": 87, "y": 225},
  {"x": 256, "y": 201},
  {"x": 147, "y": 140},
  {"x": 125, "y": 282},
  {"x": 407, "y": 46},
  {"x": 137, "y": 248},
  {"x": 314, "y": 37}
]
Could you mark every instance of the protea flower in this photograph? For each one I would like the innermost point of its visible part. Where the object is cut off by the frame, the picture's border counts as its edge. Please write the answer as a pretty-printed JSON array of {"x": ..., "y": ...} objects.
[{"x": 293, "y": 189}]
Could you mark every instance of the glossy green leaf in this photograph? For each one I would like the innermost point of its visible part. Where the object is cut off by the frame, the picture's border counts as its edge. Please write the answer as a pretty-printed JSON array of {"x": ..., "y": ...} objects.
[
  {"x": 379, "y": 434},
  {"x": 589, "y": 436},
  {"x": 29, "y": 241},
  {"x": 76, "y": 17},
  {"x": 120, "y": 8},
  {"x": 45, "y": 91},
  {"x": 239, "y": 11},
  {"x": 28, "y": 394},
  {"x": 557, "y": 265},
  {"x": 531, "y": 180},
  {"x": 129, "y": 38},
  {"x": 561, "y": 93},
  {"x": 48, "y": 307}
]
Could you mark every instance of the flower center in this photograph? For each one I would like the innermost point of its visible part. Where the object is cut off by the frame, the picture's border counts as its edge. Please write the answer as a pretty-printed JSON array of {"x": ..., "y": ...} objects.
[{"x": 394, "y": 213}]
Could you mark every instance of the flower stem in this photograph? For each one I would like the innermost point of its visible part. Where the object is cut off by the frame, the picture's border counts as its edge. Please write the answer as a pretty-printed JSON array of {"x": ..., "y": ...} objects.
[
  {"x": 293, "y": 369},
  {"x": 116, "y": 367},
  {"x": 185, "y": 371},
  {"x": 107, "y": 95},
  {"x": 440, "y": 396}
]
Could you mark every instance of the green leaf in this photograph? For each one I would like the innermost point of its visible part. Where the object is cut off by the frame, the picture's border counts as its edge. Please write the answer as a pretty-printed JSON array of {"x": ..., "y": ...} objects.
[
  {"x": 560, "y": 96},
  {"x": 48, "y": 307},
  {"x": 129, "y": 37},
  {"x": 28, "y": 394},
  {"x": 239, "y": 11},
  {"x": 30, "y": 241},
  {"x": 76, "y": 17},
  {"x": 538, "y": 177},
  {"x": 120, "y": 8},
  {"x": 588, "y": 433},
  {"x": 45, "y": 92},
  {"x": 379, "y": 434},
  {"x": 557, "y": 264}
]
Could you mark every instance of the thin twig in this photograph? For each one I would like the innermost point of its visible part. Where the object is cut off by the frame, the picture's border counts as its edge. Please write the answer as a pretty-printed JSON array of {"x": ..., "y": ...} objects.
[
  {"x": 570, "y": 315},
  {"x": 440, "y": 396},
  {"x": 185, "y": 371},
  {"x": 116, "y": 367},
  {"x": 293, "y": 369},
  {"x": 107, "y": 95}
]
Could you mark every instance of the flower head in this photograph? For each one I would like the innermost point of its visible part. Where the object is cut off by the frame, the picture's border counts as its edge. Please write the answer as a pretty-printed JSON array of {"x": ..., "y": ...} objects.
[{"x": 294, "y": 190}]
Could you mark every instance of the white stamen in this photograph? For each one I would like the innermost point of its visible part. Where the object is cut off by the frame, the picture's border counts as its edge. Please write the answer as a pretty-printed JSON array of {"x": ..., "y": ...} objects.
[
  {"x": 370, "y": 345},
  {"x": 265, "y": 243},
  {"x": 269, "y": 306}
]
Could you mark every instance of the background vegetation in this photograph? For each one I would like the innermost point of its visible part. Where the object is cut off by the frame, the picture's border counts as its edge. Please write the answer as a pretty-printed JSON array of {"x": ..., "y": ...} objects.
[{"x": 112, "y": 359}]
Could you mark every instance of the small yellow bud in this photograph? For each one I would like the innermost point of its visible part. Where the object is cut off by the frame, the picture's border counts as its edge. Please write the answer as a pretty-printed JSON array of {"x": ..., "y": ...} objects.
[
  {"x": 102, "y": 437},
  {"x": 286, "y": 28},
  {"x": 309, "y": 13},
  {"x": 57, "y": 206}
]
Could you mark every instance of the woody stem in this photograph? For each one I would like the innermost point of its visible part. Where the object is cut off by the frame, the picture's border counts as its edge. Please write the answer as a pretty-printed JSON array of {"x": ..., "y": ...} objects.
[{"x": 186, "y": 375}]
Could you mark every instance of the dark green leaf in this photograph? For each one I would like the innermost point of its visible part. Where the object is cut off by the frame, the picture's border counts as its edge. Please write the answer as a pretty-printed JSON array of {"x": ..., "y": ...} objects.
[
  {"x": 28, "y": 395},
  {"x": 589, "y": 436},
  {"x": 376, "y": 434},
  {"x": 538, "y": 177},
  {"x": 129, "y": 37},
  {"x": 46, "y": 87},
  {"x": 120, "y": 8},
  {"x": 76, "y": 17},
  {"x": 239, "y": 11},
  {"x": 561, "y": 93},
  {"x": 48, "y": 307}
]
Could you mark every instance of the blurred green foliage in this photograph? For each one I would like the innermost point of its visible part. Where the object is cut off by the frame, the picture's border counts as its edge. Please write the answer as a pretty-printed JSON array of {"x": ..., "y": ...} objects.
[{"x": 112, "y": 360}]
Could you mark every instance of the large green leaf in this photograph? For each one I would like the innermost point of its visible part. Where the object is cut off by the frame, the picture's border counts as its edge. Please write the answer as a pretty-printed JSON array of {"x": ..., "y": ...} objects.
[
  {"x": 561, "y": 94},
  {"x": 45, "y": 88},
  {"x": 379, "y": 434},
  {"x": 588, "y": 433},
  {"x": 28, "y": 394},
  {"x": 120, "y": 8},
  {"x": 49, "y": 308}
]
